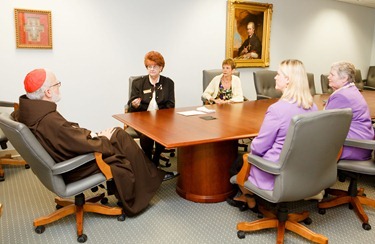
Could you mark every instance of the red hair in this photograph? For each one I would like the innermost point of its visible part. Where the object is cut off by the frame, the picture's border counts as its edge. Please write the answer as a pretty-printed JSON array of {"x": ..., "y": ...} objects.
[{"x": 155, "y": 57}]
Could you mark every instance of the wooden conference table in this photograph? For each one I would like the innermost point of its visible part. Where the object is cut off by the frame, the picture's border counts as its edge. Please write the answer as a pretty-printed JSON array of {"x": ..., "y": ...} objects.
[{"x": 207, "y": 148}]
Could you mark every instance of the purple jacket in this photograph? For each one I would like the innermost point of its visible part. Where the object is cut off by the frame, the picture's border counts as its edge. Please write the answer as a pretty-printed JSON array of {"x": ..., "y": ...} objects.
[
  {"x": 361, "y": 126},
  {"x": 270, "y": 140}
]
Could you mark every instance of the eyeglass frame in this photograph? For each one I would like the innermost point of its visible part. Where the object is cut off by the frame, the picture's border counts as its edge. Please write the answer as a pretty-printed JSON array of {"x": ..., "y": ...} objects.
[
  {"x": 154, "y": 67},
  {"x": 58, "y": 84}
]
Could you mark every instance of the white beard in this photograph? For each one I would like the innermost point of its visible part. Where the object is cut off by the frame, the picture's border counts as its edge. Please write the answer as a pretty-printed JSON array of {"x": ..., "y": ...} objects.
[{"x": 56, "y": 97}]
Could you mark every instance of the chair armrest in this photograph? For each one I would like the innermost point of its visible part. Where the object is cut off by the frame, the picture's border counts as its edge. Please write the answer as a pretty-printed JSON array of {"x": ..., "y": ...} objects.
[
  {"x": 265, "y": 165},
  {"x": 365, "y": 144},
  {"x": 369, "y": 88},
  {"x": 126, "y": 108},
  {"x": 103, "y": 166},
  {"x": 260, "y": 97},
  {"x": 72, "y": 164},
  {"x": 244, "y": 172},
  {"x": 205, "y": 101},
  {"x": 6, "y": 104}
]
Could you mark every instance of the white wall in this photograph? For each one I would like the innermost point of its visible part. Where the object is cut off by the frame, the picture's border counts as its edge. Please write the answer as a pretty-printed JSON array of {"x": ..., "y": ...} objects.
[{"x": 98, "y": 44}]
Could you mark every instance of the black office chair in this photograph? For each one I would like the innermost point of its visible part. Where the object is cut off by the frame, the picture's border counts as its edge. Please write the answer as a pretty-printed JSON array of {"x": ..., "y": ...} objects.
[
  {"x": 325, "y": 84},
  {"x": 310, "y": 78},
  {"x": 358, "y": 80},
  {"x": 133, "y": 133},
  {"x": 369, "y": 82},
  {"x": 264, "y": 81},
  {"x": 306, "y": 167}
]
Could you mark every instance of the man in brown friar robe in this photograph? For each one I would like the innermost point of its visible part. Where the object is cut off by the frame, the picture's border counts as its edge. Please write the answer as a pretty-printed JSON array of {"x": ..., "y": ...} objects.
[{"x": 135, "y": 176}]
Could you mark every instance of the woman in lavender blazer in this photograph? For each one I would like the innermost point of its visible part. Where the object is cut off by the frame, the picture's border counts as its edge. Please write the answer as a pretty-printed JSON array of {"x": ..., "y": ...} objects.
[
  {"x": 346, "y": 95},
  {"x": 291, "y": 79}
]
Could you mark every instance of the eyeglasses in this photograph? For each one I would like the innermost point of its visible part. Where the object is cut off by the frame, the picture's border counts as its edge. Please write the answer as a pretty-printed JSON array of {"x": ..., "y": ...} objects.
[
  {"x": 153, "y": 67},
  {"x": 58, "y": 84}
]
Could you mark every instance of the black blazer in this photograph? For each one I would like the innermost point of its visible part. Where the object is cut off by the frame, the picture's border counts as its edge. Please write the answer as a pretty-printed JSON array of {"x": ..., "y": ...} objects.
[{"x": 142, "y": 88}]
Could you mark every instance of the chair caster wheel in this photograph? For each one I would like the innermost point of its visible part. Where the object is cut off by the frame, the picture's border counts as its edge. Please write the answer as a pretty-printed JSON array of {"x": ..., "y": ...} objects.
[
  {"x": 82, "y": 238},
  {"x": 366, "y": 226},
  {"x": 241, "y": 234},
  {"x": 350, "y": 206},
  {"x": 322, "y": 211},
  {"x": 307, "y": 221},
  {"x": 27, "y": 166},
  {"x": 168, "y": 164},
  {"x": 58, "y": 206},
  {"x": 104, "y": 200},
  {"x": 342, "y": 178},
  {"x": 243, "y": 207},
  {"x": 40, "y": 229},
  {"x": 2, "y": 178},
  {"x": 121, "y": 217},
  {"x": 172, "y": 154}
]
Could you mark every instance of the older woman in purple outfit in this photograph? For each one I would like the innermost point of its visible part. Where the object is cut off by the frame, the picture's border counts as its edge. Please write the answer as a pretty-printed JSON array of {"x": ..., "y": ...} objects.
[
  {"x": 291, "y": 79},
  {"x": 346, "y": 95}
]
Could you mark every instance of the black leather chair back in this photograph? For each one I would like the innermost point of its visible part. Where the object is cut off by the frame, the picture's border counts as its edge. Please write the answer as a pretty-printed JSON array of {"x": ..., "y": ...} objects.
[
  {"x": 264, "y": 81},
  {"x": 370, "y": 81}
]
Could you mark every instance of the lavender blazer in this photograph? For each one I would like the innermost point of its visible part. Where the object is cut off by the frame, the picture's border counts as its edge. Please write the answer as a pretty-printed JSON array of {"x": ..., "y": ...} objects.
[
  {"x": 361, "y": 126},
  {"x": 270, "y": 140}
]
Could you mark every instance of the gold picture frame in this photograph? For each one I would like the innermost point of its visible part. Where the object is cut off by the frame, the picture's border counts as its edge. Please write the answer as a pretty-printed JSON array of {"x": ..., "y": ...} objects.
[
  {"x": 33, "y": 28},
  {"x": 241, "y": 17}
]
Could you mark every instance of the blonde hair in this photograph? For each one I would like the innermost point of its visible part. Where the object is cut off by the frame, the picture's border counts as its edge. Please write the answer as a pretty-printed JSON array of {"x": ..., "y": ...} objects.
[{"x": 298, "y": 87}]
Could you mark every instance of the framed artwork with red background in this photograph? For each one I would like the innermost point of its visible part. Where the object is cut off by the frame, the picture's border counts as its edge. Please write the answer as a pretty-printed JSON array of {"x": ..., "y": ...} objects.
[{"x": 33, "y": 28}]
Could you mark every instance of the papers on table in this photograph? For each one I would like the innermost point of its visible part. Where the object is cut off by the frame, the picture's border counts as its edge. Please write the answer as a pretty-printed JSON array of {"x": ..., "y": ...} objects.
[
  {"x": 198, "y": 111},
  {"x": 206, "y": 110},
  {"x": 192, "y": 112}
]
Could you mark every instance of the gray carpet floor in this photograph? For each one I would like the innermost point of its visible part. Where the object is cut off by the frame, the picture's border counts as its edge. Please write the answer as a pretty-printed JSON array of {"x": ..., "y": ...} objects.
[{"x": 168, "y": 219}]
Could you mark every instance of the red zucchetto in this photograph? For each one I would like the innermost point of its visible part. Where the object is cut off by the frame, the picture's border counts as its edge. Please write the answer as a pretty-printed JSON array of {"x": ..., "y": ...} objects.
[{"x": 34, "y": 80}]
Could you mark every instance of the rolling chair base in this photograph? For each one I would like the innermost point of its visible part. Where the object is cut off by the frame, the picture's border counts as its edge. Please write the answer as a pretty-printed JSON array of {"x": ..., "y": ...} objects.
[
  {"x": 77, "y": 206},
  {"x": 355, "y": 202},
  {"x": 7, "y": 159},
  {"x": 282, "y": 221}
]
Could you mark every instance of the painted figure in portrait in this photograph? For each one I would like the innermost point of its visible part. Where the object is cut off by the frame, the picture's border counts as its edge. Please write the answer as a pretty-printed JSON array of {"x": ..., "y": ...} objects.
[{"x": 247, "y": 34}]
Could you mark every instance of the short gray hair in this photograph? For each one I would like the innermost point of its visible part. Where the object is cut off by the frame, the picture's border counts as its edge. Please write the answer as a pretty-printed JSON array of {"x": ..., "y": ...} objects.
[{"x": 343, "y": 69}]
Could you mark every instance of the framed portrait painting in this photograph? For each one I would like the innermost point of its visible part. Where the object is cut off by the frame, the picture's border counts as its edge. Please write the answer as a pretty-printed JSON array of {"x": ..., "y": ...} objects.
[
  {"x": 33, "y": 28},
  {"x": 248, "y": 33}
]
